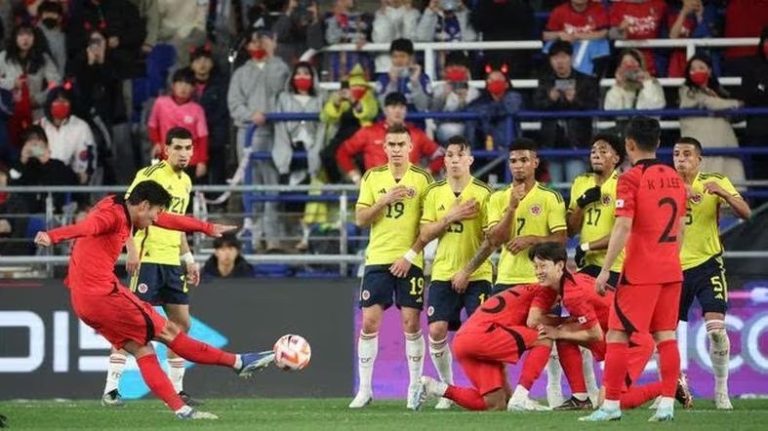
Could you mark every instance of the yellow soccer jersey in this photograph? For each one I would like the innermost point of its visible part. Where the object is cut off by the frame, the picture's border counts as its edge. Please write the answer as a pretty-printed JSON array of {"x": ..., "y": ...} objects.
[
  {"x": 458, "y": 244},
  {"x": 701, "y": 239},
  {"x": 598, "y": 216},
  {"x": 158, "y": 245},
  {"x": 540, "y": 213},
  {"x": 396, "y": 230}
]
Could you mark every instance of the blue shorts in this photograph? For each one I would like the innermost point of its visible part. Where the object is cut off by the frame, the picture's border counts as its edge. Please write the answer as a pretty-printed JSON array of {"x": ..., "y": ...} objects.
[
  {"x": 445, "y": 304},
  {"x": 160, "y": 284},
  {"x": 379, "y": 287},
  {"x": 706, "y": 283}
]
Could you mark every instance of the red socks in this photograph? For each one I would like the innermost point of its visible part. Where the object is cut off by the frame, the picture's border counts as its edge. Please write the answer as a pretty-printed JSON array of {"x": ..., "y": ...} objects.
[
  {"x": 533, "y": 365},
  {"x": 669, "y": 367},
  {"x": 615, "y": 369},
  {"x": 468, "y": 398},
  {"x": 200, "y": 353},
  {"x": 570, "y": 360},
  {"x": 158, "y": 382},
  {"x": 636, "y": 396}
]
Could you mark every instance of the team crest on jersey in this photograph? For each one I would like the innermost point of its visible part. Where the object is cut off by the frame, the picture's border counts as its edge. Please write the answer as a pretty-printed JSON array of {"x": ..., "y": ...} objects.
[
  {"x": 430, "y": 310},
  {"x": 365, "y": 295},
  {"x": 143, "y": 288},
  {"x": 606, "y": 199},
  {"x": 411, "y": 192},
  {"x": 535, "y": 209},
  {"x": 696, "y": 198}
]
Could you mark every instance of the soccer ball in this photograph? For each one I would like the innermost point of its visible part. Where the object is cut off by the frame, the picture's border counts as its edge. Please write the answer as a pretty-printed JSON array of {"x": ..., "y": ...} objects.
[{"x": 292, "y": 352}]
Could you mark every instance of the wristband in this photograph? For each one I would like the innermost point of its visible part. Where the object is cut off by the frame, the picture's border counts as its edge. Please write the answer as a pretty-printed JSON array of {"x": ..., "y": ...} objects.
[
  {"x": 584, "y": 246},
  {"x": 188, "y": 258},
  {"x": 410, "y": 255}
]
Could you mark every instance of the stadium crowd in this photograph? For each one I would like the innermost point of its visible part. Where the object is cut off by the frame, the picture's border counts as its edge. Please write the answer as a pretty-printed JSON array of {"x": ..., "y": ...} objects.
[{"x": 89, "y": 89}]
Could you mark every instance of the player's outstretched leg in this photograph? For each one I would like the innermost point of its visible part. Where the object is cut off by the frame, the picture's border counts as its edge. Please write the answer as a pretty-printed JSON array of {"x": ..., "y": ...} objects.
[
  {"x": 179, "y": 314},
  {"x": 719, "y": 354},
  {"x": 429, "y": 388},
  {"x": 533, "y": 365},
  {"x": 570, "y": 355},
  {"x": 111, "y": 396}
]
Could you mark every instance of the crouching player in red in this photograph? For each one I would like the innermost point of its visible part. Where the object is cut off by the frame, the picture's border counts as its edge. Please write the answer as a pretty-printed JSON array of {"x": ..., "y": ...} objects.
[
  {"x": 498, "y": 333},
  {"x": 586, "y": 327},
  {"x": 111, "y": 309}
]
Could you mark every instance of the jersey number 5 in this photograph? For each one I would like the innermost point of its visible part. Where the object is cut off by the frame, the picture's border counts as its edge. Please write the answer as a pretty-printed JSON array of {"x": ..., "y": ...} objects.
[
  {"x": 665, "y": 236},
  {"x": 395, "y": 210}
]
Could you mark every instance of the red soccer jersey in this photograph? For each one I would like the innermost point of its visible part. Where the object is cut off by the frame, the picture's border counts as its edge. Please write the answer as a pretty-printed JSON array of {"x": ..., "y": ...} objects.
[
  {"x": 583, "y": 303},
  {"x": 370, "y": 142},
  {"x": 654, "y": 196},
  {"x": 100, "y": 239},
  {"x": 565, "y": 18},
  {"x": 510, "y": 308},
  {"x": 644, "y": 18}
]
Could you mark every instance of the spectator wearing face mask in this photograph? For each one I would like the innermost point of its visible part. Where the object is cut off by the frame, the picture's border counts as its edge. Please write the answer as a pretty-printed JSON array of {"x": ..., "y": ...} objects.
[
  {"x": 395, "y": 19},
  {"x": 180, "y": 110},
  {"x": 453, "y": 95},
  {"x": 69, "y": 137},
  {"x": 445, "y": 21},
  {"x": 50, "y": 16},
  {"x": 494, "y": 105},
  {"x": 702, "y": 90},
  {"x": 406, "y": 77}
]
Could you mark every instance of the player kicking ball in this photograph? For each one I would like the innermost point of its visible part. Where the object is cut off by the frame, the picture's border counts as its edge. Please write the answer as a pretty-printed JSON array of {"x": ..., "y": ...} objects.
[
  {"x": 498, "y": 333},
  {"x": 160, "y": 278},
  {"x": 650, "y": 217},
  {"x": 100, "y": 301}
]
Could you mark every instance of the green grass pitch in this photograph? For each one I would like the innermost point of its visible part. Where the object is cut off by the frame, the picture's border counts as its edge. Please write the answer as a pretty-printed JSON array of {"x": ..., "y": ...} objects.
[{"x": 333, "y": 414}]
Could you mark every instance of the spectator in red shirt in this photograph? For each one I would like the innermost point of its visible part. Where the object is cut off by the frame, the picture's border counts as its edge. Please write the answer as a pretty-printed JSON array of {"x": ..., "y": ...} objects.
[
  {"x": 179, "y": 110},
  {"x": 639, "y": 19},
  {"x": 577, "y": 20},
  {"x": 743, "y": 18},
  {"x": 688, "y": 19},
  {"x": 368, "y": 142}
]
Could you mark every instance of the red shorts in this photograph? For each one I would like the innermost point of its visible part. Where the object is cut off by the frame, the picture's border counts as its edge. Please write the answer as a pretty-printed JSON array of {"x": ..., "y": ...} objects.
[
  {"x": 482, "y": 354},
  {"x": 644, "y": 308},
  {"x": 119, "y": 316}
]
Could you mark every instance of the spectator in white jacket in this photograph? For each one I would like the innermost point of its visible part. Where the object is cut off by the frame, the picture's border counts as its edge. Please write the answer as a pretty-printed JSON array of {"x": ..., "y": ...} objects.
[
  {"x": 634, "y": 88},
  {"x": 395, "y": 19},
  {"x": 445, "y": 21},
  {"x": 703, "y": 91}
]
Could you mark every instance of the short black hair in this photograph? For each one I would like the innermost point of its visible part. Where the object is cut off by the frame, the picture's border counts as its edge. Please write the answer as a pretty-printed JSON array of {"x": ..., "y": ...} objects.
[
  {"x": 457, "y": 58},
  {"x": 560, "y": 46},
  {"x": 614, "y": 142},
  {"x": 688, "y": 140},
  {"x": 395, "y": 98},
  {"x": 177, "y": 133},
  {"x": 459, "y": 140},
  {"x": 521, "y": 144},
  {"x": 184, "y": 75},
  {"x": 398, "y": 128},
  {"x": 227, "y": 240},
  {"x": 551, "y": 250},
  {"x": 402, "y": 45},
  {"x": 645, "y": 131},
  {"x": 150, "y": 191},
  {"x": 34, "y": 131},
  {"x": 51, "y": 7}
]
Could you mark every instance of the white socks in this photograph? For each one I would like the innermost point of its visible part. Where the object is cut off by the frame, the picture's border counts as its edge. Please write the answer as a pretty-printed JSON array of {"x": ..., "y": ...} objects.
[
  {"x": 114, "y": 371},
  {"x": 666, "y": 403},
  {"x": 176, "y": 373},
  {"x": 588, "y": 364},
  {"x": 442, "y": 359},
  {"x": 414, "y": 354},
  {"x": 719, "y": 353},
  {"x": 367, "y": 348},
  {"x": 554, "y": 377}
]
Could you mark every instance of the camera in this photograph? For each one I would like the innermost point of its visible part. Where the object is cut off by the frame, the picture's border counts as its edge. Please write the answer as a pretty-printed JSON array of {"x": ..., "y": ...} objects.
[
  {"x": 632, "y": 75},
  {"x": 564, "y": 84},
  {"x": 460, "y": 85}
]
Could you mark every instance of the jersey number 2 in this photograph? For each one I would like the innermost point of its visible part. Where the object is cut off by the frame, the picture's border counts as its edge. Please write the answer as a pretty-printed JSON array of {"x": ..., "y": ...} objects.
[{"x": 665, "y": 236}]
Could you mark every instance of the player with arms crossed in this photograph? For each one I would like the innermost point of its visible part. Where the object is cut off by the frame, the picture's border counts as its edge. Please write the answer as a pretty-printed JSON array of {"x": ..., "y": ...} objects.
[
  {"x": 650, "y": 217},
  {"x": 520, "y": 216},
  {"x": 127, "y": 322},
  {"x": 390, "y": 202},
  {"x": 455, "y": 212},
  {"x": 591, "y": 216},
  {"x": 160, "y": 279},
  {"x": 703, "y": 272}
]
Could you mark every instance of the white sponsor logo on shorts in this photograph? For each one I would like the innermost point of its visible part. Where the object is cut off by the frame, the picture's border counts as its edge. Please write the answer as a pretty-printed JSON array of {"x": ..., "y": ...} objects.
[
  {"x": 143, "y": 288},
  {"x": 366, "y": 295},
  {"x": 430, "y": 310}
]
